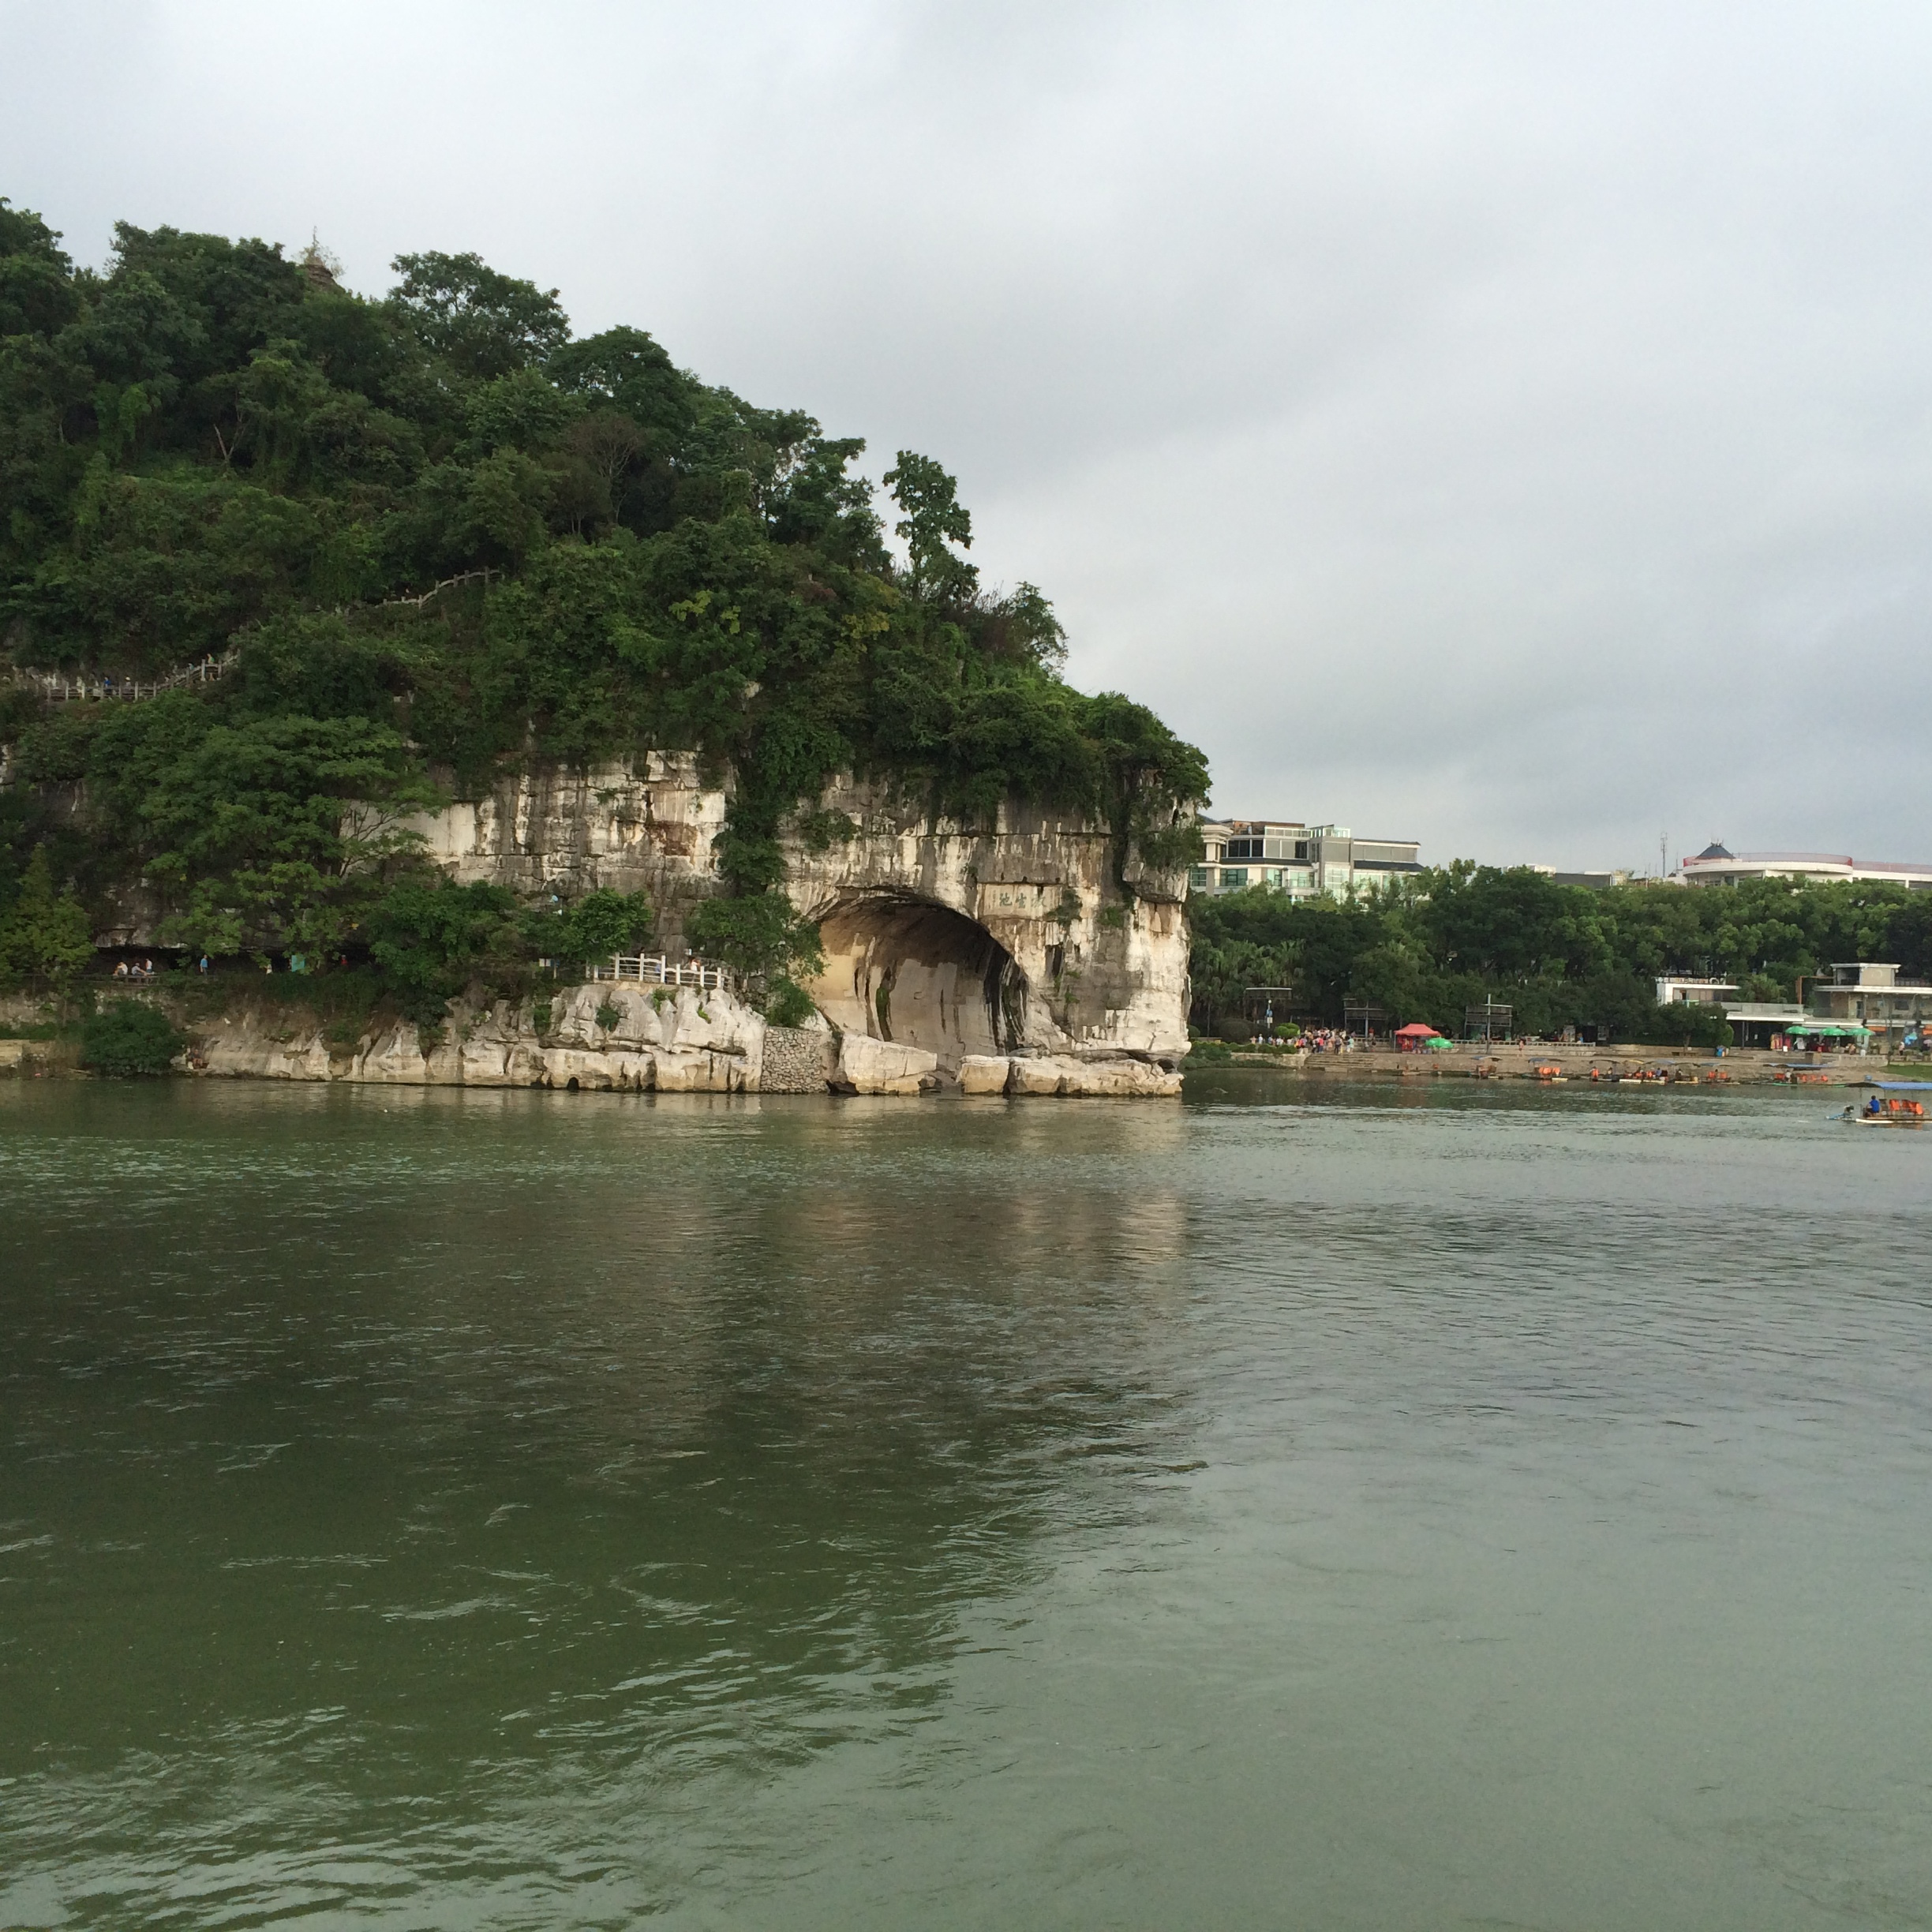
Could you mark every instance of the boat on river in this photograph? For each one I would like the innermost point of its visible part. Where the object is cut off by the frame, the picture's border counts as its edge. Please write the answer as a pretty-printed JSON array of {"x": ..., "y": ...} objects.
[{"x": 1891, "y": 1105}]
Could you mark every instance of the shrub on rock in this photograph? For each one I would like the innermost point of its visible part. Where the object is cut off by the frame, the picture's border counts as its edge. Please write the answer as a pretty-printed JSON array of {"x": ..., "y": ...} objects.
[{"x": 129, "y": 1039}]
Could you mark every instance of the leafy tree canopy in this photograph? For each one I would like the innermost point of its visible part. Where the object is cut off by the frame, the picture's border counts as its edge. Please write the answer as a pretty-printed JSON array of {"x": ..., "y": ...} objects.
[
  {"x": 1560, "y": 955},
  {"x": 211, "y": 450}
]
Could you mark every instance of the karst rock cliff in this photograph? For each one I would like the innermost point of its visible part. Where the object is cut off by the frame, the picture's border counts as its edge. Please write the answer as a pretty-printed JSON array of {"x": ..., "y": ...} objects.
[{"x": 1034, "y": 953}]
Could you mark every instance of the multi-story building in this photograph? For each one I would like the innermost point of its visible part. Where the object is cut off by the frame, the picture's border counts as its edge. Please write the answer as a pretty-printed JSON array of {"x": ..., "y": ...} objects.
[
  {"x": 1857, "y": 992},
  {"x": 1713, "y": 866},
  {"x": 1305, "y": 861},
  {"x": 1753, "y": 1023},
  {"x": 1872, "y": 995}
]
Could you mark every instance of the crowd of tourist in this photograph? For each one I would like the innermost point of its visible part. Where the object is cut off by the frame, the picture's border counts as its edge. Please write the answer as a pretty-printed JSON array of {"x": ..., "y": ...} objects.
[
  {"x": 1325, "y": 1039},
  {"x": 1310, "y": 1039}
]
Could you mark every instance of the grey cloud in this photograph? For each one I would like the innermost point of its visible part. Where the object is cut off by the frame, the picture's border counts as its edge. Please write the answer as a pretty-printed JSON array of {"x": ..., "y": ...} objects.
[{"x": 1499, "y": 424}]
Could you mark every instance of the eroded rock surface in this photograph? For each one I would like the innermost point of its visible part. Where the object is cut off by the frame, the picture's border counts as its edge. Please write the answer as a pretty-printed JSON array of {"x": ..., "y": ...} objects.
[
  {"x": 871, "y": 1066},
  {"x": 600, "y": 1038},
  {"x": 1068, "y": 1075},
  {"x": 984, "y": 1073},
  {"x": 1027, "y": 936}
]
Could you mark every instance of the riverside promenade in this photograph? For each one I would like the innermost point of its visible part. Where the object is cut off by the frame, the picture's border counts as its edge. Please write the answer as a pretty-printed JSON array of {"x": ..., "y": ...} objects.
[{"x": 1738, "y": 1066}]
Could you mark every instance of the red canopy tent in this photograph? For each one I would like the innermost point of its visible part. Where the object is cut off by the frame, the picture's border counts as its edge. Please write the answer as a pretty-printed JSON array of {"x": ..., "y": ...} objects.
[{"x": 1409, "y": 1037}]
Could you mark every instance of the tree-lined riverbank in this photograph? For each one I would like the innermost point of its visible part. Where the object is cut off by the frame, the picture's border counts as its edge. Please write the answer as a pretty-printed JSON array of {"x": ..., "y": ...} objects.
[{"x": 1429, "y": 947}]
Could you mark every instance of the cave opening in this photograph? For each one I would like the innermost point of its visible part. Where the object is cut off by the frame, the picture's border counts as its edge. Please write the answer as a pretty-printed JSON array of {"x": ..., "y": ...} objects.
[{"x": 906, "y": 970}]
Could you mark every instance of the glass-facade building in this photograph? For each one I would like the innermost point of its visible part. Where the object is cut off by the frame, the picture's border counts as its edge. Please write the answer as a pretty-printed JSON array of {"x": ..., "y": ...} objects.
[{"x": 1286, "y": 855}]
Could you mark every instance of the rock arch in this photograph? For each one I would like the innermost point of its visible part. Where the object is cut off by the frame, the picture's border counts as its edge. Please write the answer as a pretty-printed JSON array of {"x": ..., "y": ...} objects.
[
  {"x": 1091, "y": 957},
  {"x": 909, "y": 970}
]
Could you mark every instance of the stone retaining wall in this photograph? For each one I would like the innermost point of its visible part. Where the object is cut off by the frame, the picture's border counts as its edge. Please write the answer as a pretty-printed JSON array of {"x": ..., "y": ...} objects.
[{"x": 798, "y": 1060}]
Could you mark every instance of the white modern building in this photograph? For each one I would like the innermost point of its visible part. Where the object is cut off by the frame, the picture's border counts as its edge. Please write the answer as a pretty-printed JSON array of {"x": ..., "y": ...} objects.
[
  {"x": 1871, "y": 994},
  {"x": 1303, "y": 861},
  {"x": 1694, "y": 992},
  {"x": 1715, "y": 867},
  {"x": 1863, "y": 993}
]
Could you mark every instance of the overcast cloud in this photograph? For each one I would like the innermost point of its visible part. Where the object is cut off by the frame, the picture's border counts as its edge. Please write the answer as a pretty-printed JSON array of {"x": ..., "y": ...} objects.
[{"x": 1502, "y": 425}]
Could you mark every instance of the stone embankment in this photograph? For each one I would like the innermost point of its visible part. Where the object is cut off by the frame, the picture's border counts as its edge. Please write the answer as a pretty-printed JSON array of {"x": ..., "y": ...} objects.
[
  {"x": 1738, "y": 1066},
  {"x": 603, "y": 1037}
]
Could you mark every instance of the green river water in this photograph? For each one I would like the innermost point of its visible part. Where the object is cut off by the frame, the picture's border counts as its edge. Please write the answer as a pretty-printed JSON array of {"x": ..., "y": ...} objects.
[{"x": 1360, "y": 1508}]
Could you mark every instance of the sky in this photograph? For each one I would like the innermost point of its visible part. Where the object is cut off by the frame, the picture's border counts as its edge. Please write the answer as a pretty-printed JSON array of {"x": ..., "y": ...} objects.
[{"x": 1501, "y": 425}]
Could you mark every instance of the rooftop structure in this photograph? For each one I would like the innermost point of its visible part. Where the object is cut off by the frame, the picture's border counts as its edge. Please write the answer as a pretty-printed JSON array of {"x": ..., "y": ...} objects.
[
  {"x": 1714, "y": 866},
  {"x": 1864, "y": 974},
  {"x": 1673, "y": 992},
  {"x": 1600, "y": 882}
]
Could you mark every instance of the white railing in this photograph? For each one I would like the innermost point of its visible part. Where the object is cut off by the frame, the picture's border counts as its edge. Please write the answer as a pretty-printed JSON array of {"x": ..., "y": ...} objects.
[
  {"x": 64, "y": 687},
  {"x": 68, "y": 686},
  {"x": 654, "y": 969},
  {"x": 436, "y": 590}
]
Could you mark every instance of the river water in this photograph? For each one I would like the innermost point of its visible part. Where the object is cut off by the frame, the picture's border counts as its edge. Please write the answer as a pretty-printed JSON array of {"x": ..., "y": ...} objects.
[{"x": 1457, "y": 1508}]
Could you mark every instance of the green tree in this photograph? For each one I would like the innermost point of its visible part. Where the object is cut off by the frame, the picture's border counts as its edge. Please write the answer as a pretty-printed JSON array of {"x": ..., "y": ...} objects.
[
  {"x": 600, "y": 925},
  {"x": 759, "y": 938},
  {"x": 128, "y": 1040},
  {"x": 933, "y": 520},
  {"x": 624, "y": 370},
  {"x": 482, "y": 323},
  {"x": 44, "y": 935},
  {"x": 429, "y": 937},
  {"x": 272, "y": 834},
  {"x": 37, "y": 294}
]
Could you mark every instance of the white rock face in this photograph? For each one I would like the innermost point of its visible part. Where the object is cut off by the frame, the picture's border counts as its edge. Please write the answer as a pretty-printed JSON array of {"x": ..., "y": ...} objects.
[
  {"x": 871, "y": 1066},
  {"x": 964, "y": 942},
  {"x": 1043, "y": 1074},
  {"x": 667, "y": 1040},
  {"x": 1122, "y": 1077},
  {"x": 1125, "y": 1080},
  {"x": 1032, "y": 936},
  {"x": 603, "y": 1038},
  {"x": 1071, "y": 1076},
  {"x": 984, "y": 1073}
]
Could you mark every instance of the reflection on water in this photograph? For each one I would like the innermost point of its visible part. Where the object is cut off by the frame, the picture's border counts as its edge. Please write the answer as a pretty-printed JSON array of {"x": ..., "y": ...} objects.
[{"x": 1366, "y": 1507}]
